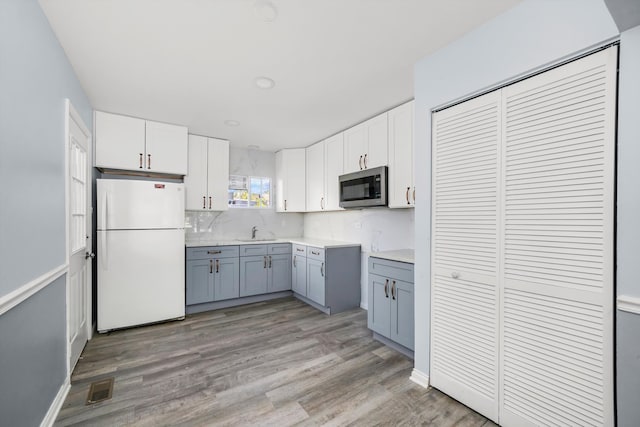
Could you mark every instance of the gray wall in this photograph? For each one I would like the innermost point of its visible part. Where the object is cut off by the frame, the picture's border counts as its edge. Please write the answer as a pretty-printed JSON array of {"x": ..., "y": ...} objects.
[
  {"x": 33, "y": 360},
  {"x": 628, "y": 239},
  {"x": 35, "y": 78},
  {"x": 526, "y": 38}
]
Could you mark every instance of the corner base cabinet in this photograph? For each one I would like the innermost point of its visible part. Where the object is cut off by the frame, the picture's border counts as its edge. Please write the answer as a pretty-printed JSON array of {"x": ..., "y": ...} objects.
[
  {"x": 391, "y": 310},
  {"x": 328, "y": 278}
]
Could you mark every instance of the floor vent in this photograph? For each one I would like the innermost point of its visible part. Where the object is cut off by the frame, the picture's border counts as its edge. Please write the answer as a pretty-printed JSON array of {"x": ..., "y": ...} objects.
[{"x": 100, "y": 390}]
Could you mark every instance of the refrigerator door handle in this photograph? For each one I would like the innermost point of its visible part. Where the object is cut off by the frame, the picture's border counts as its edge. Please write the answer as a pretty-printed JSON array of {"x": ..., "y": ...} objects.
[
  {"x": 103, "y": 251},
  {"x": 103, "y": 213}
]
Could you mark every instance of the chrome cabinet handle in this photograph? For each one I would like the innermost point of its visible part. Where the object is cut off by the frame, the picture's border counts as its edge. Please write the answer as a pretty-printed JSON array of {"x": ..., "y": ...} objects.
[
  {"x": 315, "y": 253},
  {"x": 299, "y": 250},
  {"x": 386, "y": 288},
  {"x": 264, "y": 261},
  {"x": 407, "y": 195},
  {"x": 210, "y": 202},
  {"x": 204, "y": 202},
  {"x": 393, "y": 292},
  {"x": 217, "y": 266},
  {"x": 285, "y": 204},
  {"x": 322, "y": 203},
  {"x": 414, "y": 194},
  {"x": 322, "y": 269},
  {"x": 269, "y": 261},
  {"x": 148, "y": 161},
  {"x": 210, "y": 266},
  {"x": 140, "y": 160},
  {"x": 365, "y": 161},
  {"x": 214, "y": 252},
  {"x": 294, "y": 261},
  {"x": 360, "y": 162}
]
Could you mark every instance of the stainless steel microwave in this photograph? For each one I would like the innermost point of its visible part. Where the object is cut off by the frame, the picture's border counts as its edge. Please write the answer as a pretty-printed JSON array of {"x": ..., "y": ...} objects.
[{"x": 365, "y": 188}]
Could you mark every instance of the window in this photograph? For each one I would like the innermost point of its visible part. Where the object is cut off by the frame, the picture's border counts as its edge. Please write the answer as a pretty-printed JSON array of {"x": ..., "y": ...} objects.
[{"x": 249, "y": 191}]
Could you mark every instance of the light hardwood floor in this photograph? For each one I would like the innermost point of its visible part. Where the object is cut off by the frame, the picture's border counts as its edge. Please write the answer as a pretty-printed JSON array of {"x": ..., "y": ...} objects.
[{"x": 275, "y": 363}]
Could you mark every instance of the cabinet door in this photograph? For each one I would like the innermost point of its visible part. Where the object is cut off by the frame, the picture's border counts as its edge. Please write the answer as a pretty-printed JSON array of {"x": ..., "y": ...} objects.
[
  {"x": 296, "y": 187},
  {"x": 218, "y": 174},
  {"x": 355, "y": 147},
  {"x": 279, "y": 273},
  {"x": 333, "y": 159},
  {"x": 401, "y": 186},
  {"x": 281, "y": 177},
  {"x": 315, "y": 281},
  {"x": 378, "y": 314},
  {"x": 253, "y": 275},
  {"x": 315, "y": 177},
  {"x": 299, "y": 275},
  {"x": 195, "y": 182},
  {"x": 377, "y": 142},
  {"x": 119, "y": 141},
  {"x": 227, "y": 280},
  {"x": 402, "y": 318},
  {"x": 166, "y": 147},
  {"x": 199, "y": 281}
]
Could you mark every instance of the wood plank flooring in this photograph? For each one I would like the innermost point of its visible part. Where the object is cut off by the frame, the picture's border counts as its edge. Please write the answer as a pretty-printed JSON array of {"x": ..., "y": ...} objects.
[{"x": 276, "y": 363}]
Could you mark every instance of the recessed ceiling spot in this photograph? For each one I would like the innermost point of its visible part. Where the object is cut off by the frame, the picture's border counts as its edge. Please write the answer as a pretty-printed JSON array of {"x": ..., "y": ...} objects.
[
  {"x": 232, "y": 123},
  {"x": 265, "y": 10},
  {"x": 264, "y": 82}
]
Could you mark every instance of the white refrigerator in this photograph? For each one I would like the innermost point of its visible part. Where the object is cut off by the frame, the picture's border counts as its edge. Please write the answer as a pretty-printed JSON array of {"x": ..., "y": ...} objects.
[{"x": 140, "y": 252}]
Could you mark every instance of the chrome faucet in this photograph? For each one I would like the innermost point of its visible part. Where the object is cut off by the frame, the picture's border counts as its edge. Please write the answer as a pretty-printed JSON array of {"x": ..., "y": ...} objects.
[{"x": 253, "y": 232}]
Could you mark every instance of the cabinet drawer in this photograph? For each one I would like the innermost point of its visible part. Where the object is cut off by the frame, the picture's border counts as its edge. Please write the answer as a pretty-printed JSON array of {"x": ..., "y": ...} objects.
[
  {"x": 392, "y": 269},
  {"x": 279, "y": 248},
  {"x": 207, "y": 252},
  {"x": 315, "y": 253},
  {"x": 299, "y": 250},
  {"x": 251, "y": 250}
]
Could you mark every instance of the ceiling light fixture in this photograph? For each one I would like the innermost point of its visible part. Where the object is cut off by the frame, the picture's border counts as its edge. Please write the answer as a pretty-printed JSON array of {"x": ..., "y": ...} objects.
[
  {"x": 232, "y": 123},
  {"x": 265, "y": 10},
  {"x": 264, "y": 82}
]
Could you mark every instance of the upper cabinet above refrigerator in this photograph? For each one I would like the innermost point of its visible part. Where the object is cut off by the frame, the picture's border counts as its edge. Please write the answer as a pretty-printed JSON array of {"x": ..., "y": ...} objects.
[{"x": 147, "y": 147}]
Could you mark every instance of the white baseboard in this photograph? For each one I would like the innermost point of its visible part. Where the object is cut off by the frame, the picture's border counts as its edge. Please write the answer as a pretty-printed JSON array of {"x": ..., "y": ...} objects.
[
  {"x": 364, "y": 306},
  {"x": 56, "y": 405},
  {"x": 419, "y": 378},
  {"x": 629, "y": 304},
  {"x": 10, "y": 300}
]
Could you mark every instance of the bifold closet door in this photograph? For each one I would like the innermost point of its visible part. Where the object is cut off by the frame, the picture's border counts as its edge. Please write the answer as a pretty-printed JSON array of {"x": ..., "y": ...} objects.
[
  {"x": 557, "y": 313},
  {"x": 464, "y": 281}
]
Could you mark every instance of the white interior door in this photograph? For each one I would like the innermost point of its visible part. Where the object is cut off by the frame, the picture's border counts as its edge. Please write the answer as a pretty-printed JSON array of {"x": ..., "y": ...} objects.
[
  {"x": 464, "y": 278},
  {"x": 79, "y": 235},
  {"x": 557, "y": 315}
]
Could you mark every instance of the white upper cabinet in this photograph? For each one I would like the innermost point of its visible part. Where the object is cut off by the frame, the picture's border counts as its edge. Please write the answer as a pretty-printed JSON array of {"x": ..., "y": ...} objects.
[
  {"x": 315, "y": 162},
  {"x": 166, "y": 148},
  {"x": 365, "y": 145},
  {"x": 129, "y": 143},
  {"x": 402, "y": 190},
  {"x": 120, "y": 141},
  {"x": 333, "y": 168},
  {"x": 207, "y": 181},
  {"x": 290, "y": 180}
]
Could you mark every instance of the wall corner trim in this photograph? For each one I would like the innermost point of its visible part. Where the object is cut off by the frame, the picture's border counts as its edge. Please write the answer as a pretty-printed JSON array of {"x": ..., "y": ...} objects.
[
  {"x": 12, "y": 299},
  {"x": 56, "y": 405},
  {"x": 364, "y": 305},
  {"x": 419, "y": 378},
  {"x": 629, "y": 304}
]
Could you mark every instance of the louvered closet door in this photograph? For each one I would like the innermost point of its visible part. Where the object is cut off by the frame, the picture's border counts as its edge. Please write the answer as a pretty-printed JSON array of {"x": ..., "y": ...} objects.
[
  {"x": 557, "y": 316},
  {"x": 464, "y": 286}
]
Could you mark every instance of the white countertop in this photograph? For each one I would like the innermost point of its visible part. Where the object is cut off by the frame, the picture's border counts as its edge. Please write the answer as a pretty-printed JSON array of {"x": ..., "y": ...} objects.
[
  {"x": 402, "y": 255},
  {"x": 307, "y": 241}
]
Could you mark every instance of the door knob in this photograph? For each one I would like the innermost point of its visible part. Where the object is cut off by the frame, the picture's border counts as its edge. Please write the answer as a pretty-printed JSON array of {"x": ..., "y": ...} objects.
[{"x": 89, "y": 255}]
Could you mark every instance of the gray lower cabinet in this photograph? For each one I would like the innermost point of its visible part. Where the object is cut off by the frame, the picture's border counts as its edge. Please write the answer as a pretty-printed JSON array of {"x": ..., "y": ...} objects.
[
  {"x": 266, "y": 270},
  {"x": 299, "y": 270},
  {"x": 212, "y": 274},
  {"x": 391, "y": 307},
  {"x": 329, "y": 278}
]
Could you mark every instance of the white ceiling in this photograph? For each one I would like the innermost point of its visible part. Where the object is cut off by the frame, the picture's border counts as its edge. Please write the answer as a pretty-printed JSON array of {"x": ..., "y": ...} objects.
[{"x": 194, "y": 62}]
